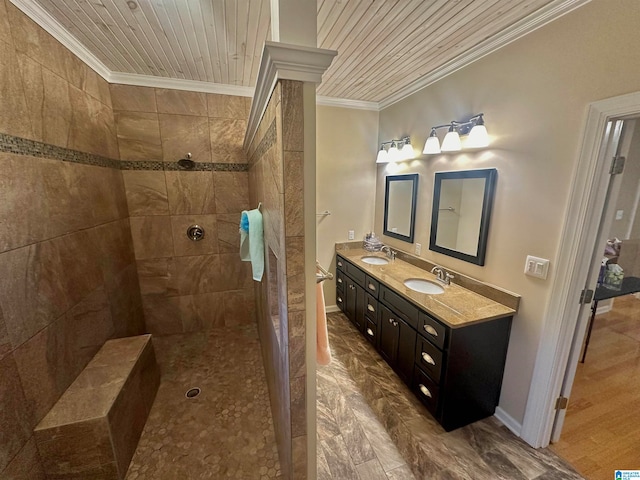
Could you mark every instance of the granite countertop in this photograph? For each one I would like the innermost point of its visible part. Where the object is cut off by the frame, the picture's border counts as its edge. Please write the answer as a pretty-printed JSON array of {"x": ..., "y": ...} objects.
[{"x": 456, "y": 307}]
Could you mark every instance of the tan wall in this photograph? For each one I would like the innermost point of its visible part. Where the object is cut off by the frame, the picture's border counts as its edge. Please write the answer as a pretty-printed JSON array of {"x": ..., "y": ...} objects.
[
  {"x": 186, "y": 286},
  {"x": 534, "y": 93},
  {"x": 276, "y": 157},
  {"x": 67, "y": 273},
  {"x": 345, "y": 178}
]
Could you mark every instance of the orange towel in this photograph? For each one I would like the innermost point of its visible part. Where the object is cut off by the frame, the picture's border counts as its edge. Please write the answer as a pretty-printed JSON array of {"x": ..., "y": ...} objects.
[{"x": 323, "y": 352}]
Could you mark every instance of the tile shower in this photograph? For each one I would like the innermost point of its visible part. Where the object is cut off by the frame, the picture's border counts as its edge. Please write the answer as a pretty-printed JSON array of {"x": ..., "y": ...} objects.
[{"x": 94, "y": 213}]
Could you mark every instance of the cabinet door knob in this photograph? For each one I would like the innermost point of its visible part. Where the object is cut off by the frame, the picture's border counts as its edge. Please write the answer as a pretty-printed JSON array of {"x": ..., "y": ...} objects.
[
  {"x": 370, "y": 308},
  {"x": 369, "y": 332},
  {"x": 428, "y": 358},
  {"x": 425, "y": 391},
  {"x": 372, "y": 287},
  {"x": 430, "y": 330},
  {"x": 391, "y": 321}
]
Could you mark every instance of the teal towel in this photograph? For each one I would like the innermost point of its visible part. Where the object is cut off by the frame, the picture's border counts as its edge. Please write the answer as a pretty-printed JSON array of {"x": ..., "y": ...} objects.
[{"x": 252, "y": 243}]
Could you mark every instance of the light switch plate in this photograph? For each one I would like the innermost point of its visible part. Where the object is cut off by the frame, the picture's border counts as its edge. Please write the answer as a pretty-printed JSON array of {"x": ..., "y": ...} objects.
[
  {"x": 619, "y": 214},
  {"x": 418, "y": 248},
  {"x": 536, "y": 267},
  {"x": 352, "y": 234}
]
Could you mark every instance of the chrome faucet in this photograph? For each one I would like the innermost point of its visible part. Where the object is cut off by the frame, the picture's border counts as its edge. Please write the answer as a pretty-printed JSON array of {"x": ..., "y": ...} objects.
[
  {"x": 442, "y": 275},
  {"x": 391, "y": 254}
]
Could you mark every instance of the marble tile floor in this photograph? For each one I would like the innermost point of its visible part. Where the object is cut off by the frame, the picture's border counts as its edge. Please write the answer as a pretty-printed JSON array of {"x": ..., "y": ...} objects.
[
  {"x": 370, "y": 426},
  {"x": 224, "y": 432}
]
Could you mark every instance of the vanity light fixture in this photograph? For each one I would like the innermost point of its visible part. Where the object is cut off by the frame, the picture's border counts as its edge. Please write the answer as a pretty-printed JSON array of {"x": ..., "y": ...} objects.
[
  {"x": 396, "y": 150},
  {"x": 473, "y": 127}
]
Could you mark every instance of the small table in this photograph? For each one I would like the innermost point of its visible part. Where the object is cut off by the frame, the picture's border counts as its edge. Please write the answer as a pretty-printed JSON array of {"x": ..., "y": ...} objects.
[{"x": 629, "y": 285}]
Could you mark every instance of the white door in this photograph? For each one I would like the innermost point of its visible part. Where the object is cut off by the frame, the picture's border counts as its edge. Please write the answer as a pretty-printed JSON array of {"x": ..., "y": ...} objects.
[{"x": 608, "y": 186}]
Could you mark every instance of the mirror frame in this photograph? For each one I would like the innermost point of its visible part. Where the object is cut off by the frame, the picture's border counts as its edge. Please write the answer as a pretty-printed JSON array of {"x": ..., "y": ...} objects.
[
  {"x": 414, "y": 198},
  {"x": 490, "y": 175}
]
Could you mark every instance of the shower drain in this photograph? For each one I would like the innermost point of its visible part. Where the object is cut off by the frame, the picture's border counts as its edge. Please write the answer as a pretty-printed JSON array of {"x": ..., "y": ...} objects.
[{"x": 192, "y": 392}]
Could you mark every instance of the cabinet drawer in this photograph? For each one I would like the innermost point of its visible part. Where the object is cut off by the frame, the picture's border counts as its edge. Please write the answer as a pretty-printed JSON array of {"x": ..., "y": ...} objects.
[
  {"x": 355, "y": 273},
  {"x": 340, "y": 262},
  {"x": 426, "y": 390},
  {"x": 340, "y": 300},
  {"x": 432, "y": 330},
  {"x": 340, "y": 280},
  {"x": 371, "y": 331},
  {"x": 401, "y": 307},
  {"x": 429, "y": 358},
  {"x": 371, "y": 286},
  {"x": 371, "y": 307}
]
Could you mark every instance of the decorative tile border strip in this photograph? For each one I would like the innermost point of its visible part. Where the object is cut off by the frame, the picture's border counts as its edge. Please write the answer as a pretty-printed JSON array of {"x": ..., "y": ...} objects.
[
  {"x": 266, "y": 142},
  {"x": 23, "y": 146}
]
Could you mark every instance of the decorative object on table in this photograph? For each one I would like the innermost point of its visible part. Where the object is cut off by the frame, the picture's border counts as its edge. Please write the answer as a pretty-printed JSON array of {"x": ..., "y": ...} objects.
[
  {"x": 372, "y": 243},
  {"x": 613, "y": 276}
]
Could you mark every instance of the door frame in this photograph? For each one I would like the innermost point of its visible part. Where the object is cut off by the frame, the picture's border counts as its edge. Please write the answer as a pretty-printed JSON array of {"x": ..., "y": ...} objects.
[{"x": 580, "y": 227}]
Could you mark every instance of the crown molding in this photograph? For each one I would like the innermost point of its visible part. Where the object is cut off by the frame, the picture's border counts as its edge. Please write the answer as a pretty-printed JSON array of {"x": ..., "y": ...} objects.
[
  {"x": 346, "y": 103},
  {"x": 540, "y": 18},
  {"x": 43, "y": 18},
  {"x": 179, "y": 84},
  {"x": 281, "y": 61}
]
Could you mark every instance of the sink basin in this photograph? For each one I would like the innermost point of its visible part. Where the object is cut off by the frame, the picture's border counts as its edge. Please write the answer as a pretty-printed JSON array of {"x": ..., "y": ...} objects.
[
  {"x": 371, "y": 260},
  {"x": 423, "y": 286}
]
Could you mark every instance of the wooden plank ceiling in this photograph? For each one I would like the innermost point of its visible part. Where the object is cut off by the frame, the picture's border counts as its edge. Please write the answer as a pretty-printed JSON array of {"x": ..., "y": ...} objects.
[{"x": 383, "y": 45}]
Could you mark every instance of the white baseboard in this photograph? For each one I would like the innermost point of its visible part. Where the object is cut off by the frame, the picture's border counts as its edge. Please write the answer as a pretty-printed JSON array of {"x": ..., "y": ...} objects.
[
  {"x": 332, "y": 309},
  {"x": 604, "y": 308},
  {"x": 508, "y": 421}
]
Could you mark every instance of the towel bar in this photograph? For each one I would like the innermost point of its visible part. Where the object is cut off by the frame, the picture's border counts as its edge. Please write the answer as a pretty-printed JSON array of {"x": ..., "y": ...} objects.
[{"x": 323, "y": 274}]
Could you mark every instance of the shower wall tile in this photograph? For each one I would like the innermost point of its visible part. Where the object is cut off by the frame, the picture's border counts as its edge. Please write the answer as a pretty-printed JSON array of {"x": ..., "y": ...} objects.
[
  {"x": 15, "y": 420},
  {"x": 237, "y": 273},
  {"x": 48, "y": 102},
  {"x": 152, "y": 237},
  {"x": 182, "y": 134},
  {"x": 5, "y": 32},
  {"x": 154, "y": 276},
  {"x": 227, "y": 106},
  {"x": 24, "y": 203},
  {"x": 196, "y": 274},
  {"x": 12, "y": 97},
  {"x": 239, "y": 307},
  {"x": 161, "y": 314},
  {"x": 228, "y": 235},
  {"x": 126, "y": 304},
  {"x": 227, "y": 137},
  {"x": 183, "y": 245},
  {"x": 146, "y": 192},
  {"x": 26, "y": 464},
  {"x": 231, "y": 192},
  {"x": 138, "y": 136},
  {"x": 293, "y": 116},
  {"x": 133, "y": 99},
  {"x": 293, "y": 193},
  {"x": 190, "y": 192},
  {"x": 116, "y": 249},
  {"x": 5, "y": 343},
  {"x": 203, "y": 312},
  {"x": 298, "y": 406},
  {"x": 181, "y": 102}
]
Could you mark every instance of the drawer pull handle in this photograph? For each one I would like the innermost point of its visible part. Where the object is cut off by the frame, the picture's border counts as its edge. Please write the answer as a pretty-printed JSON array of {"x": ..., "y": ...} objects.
[
  {"x": 369, "y": 332},
  {"x": 339, "y": 280},
  {"x": 370, "y": 308},
  {"x": 372, "y": 287},
  {"x": 425, "y": 391},
  {"x": 393, "y": 322},
  {"x": 339, "y": 300},
  {"x": 430, "y": 330},
  {"x": 428, "y": 358},
  {"x": 339, "y": 264},
  {"x": 352, "y": 287}
]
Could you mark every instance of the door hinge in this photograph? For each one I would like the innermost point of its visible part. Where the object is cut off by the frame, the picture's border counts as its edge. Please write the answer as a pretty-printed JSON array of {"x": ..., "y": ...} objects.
[
  {"x": 561, "y": 403},
  {"x": 586, "y": 296},
  {"x": 617, "y": 165}
]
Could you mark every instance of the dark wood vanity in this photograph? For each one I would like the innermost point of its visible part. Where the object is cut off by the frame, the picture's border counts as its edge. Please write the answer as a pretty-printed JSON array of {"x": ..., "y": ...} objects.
[{"x": 454, "y": 369}]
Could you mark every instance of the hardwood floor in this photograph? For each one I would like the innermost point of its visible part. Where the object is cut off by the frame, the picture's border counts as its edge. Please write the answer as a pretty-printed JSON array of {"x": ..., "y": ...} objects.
[{"x": 602, "y": 428}]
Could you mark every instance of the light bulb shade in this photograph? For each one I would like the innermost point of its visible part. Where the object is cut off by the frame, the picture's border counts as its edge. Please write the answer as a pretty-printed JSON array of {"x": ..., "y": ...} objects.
[
  {"x": 394, "y": 153},
  {"x": 432, "y": 145},
  {"x": 383, "y": 156},
  {"x": 407, "y": 151},
  {"x": 451, "y": 142},
  {"x": 478, "y": 137}
]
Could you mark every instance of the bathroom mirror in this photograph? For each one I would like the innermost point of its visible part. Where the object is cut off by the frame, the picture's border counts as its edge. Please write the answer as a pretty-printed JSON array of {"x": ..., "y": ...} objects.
[
  {"x": 400, "y": 206},
  {"x": 462, "y": 204}
]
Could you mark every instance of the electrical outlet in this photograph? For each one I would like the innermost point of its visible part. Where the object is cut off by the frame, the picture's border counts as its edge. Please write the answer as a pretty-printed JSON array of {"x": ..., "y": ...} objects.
[
  {"x": 418, "y": 248},
  {"x": 536, "y": 267},
  {"x": 352, "y": 234},
  {"x": 619, "y": 214}
]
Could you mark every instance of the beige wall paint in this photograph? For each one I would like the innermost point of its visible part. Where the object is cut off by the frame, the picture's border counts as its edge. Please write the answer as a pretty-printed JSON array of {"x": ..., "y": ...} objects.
[
  {"x": 345, "y": 180},
  {"x": 534, "y": 94}
]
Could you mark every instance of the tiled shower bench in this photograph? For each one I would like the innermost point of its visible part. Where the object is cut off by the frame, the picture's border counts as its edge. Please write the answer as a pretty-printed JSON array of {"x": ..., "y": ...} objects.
[{"x": 94, "y": 428}]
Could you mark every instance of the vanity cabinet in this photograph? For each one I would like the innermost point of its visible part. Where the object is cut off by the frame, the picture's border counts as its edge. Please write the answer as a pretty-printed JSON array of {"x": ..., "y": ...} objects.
[{"x": 455, "y": 372}]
